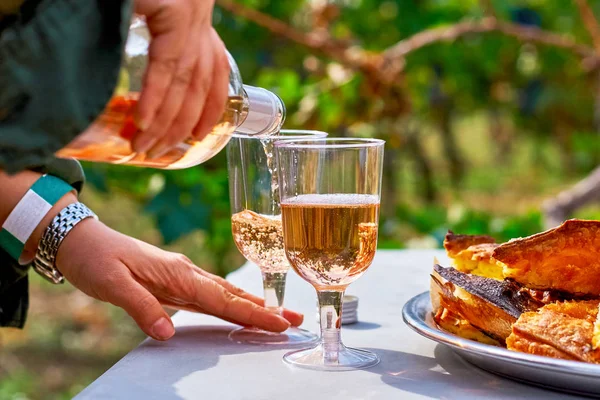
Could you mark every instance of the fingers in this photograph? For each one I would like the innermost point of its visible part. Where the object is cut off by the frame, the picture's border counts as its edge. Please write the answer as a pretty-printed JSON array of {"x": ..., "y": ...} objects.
[
  {"x": 190, "y": 109},
  {"x": 213, "y": 110},
  {"x": 231, "y": 287},
  {"x": 192, "y": 308},
  {"x": 90, "y": 256},
  {"x": 220, "y": 302},
  {"x": 180, "y": 96},
  {"x": 141, "y": 305},
  {"x": 293, "y": 317},
  {"x": 186, "y": 83},
  {"x": 169, "y": 23}
]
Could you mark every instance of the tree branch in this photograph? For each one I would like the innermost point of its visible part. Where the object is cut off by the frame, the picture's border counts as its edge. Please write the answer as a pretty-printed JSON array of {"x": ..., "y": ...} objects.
[
  {"x": 590, "y": 22},
  {"x": 387, "y": 66},
  {"x": 321, "y": 42},
  {"x": 486, "y": 25},
  {"x": 488, "y": 8}
]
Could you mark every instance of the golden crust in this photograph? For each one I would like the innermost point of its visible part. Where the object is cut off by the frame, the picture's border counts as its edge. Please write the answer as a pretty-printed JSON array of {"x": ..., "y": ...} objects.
[
  {"x": 523, "y": 344},
  {"x": 454, "y": 244},
  {"x": 586, "y": 310},
  {"x": 565, "y": 258},
  {"x": 480, "y": 252},
  {"x": 456, "y": 325},
  {"x": 553, "y": 333}
]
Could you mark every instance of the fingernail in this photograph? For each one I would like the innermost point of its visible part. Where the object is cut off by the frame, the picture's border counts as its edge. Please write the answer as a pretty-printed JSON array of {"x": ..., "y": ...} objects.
[
  {"x": 300, "y": 320},
  {"x": 142, "y": 123},
  {"x": 162, "y": 329},
  {"x": 285, "y": 322},
  {"x": 142, "y": 144},
  {"x": 156, "y": 152}
]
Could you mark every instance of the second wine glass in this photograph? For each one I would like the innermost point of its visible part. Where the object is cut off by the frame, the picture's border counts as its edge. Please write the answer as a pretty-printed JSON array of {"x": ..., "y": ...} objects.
[
  {"x": 256, "y": 226},
  {"x": 330, "y": 193}
]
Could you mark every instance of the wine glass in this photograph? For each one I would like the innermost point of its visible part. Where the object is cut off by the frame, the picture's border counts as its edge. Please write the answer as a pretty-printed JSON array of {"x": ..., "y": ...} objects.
[
  {"x": 256, "y": 226},
  {"x": 330, "y": 193}
]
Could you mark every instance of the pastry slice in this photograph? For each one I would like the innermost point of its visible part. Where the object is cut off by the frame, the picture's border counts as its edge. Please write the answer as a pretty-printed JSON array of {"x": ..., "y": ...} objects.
[
  {"x": 560, "y": 330},
  {"x": 565, "y": 259},
  {"x": 473, "y": 254},
  {"x": 487, "y": 304}
]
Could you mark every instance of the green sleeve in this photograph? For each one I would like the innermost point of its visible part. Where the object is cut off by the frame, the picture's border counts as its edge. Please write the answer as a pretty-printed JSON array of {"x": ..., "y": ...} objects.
[{"x": 59, "y": 63}]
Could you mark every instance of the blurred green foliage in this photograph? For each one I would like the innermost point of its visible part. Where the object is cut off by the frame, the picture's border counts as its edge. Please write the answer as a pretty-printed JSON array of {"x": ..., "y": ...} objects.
[
  {"x": 487, "y": 115},
  {"x": 484, "y": 129}
]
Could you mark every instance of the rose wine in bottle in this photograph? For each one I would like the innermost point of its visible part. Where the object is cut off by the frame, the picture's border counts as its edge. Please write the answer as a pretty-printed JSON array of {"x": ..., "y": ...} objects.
[{"x": 249, "y": 111}]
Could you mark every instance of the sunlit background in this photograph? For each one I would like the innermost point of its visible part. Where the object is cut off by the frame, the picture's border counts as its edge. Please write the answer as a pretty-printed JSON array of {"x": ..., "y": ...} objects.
[{"x": 489, "y": 108}]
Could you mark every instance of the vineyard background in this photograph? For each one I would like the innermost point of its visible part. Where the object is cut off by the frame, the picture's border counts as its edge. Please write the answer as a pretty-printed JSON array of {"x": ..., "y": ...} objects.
[{"x": 490, "y": 109}]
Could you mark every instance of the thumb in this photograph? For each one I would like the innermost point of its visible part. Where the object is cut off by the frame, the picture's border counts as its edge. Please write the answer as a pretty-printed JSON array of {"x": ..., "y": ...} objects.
[{"x": 144, "y": 308}]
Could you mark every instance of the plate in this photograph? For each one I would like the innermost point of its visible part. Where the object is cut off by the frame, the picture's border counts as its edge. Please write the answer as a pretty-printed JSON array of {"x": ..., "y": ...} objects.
[{"x": 551, "y": 373}]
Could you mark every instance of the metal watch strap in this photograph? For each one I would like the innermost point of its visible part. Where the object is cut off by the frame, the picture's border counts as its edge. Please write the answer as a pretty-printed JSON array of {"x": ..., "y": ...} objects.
[{"x": 45, "y": 257}]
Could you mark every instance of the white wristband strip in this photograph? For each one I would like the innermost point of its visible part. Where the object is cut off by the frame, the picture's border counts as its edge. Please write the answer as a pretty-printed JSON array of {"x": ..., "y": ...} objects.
[{"x": 30, "y": 211}]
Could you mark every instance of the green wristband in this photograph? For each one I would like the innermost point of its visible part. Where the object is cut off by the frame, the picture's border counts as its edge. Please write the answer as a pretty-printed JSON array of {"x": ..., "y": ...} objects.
[{"x": 30, "y": 211}]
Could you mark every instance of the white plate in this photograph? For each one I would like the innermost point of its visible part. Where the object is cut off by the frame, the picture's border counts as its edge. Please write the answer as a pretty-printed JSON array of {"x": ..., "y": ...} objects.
[{"x": 567, "y": 376}]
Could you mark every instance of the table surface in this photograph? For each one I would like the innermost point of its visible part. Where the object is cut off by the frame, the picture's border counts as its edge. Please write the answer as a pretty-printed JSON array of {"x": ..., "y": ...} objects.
[{"x": 199, "y": 362}]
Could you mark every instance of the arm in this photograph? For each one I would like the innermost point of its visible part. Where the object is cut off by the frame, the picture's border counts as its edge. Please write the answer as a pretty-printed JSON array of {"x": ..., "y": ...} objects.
[
  {"x": 136, "y": 276},
  {"x": 42, "y": 108},
  {"x": 141, "y": 278},
  {"x": 14, "y": 296}
]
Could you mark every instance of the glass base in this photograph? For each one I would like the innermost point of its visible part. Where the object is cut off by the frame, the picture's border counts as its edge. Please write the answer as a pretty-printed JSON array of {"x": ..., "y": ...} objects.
[
  {"x": 341, "y": 359},
  {"x": 292, "y": 336}
]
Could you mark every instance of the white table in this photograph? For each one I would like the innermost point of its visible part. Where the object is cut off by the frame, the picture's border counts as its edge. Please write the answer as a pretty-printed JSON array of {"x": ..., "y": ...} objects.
[{"x": 199, "y": 362}]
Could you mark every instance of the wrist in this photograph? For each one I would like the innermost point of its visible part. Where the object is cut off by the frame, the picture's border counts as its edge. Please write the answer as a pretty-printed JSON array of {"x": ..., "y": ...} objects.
[
  {"x": 79, "y": 244},
  {"x": 45, "y": 261},
  {"x": 31, "y": 245}
]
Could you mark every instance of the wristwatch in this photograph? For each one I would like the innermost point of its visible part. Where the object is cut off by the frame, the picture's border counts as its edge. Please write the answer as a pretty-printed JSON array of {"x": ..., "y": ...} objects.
[{"x": 44, "y": 262}]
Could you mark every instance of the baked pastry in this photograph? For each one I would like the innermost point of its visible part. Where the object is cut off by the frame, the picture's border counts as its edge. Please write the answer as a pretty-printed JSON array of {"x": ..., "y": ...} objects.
[
  {"x": 489, "y": 305},
  {"x": 561, "y": 330},
  {"x": 538, "y": 295},
  {"x": 566, "y": 258}
]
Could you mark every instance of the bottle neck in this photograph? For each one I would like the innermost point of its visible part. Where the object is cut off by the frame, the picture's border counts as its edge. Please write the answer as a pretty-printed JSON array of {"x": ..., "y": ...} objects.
[{"x": 265, "y": 113}]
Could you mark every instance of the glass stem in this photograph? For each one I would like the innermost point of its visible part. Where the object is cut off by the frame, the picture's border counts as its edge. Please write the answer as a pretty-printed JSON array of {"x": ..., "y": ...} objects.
[
  {"x": 330, "y": 312},
  {"x": 274, "y": 287}
]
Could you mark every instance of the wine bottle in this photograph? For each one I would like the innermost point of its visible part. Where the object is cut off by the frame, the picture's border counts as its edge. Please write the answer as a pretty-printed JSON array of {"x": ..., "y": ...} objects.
[{"x": 249, "y": 111}]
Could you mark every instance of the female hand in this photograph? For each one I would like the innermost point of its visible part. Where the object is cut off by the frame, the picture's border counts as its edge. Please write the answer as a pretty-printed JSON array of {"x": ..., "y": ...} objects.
[
  {"x": 186, "y": 82},
  {"x": 139, "y": 277}
]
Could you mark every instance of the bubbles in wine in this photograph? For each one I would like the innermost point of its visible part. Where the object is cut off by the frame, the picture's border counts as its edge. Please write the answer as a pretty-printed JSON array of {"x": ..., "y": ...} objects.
[
  {"x": 331, "y": 239},
  {"x": 260, "y": 239}
]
